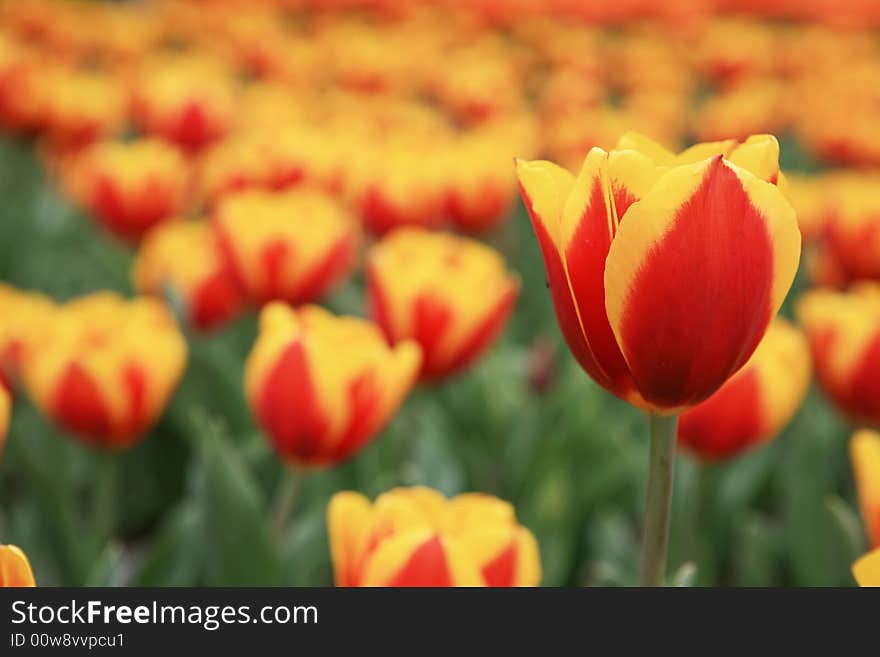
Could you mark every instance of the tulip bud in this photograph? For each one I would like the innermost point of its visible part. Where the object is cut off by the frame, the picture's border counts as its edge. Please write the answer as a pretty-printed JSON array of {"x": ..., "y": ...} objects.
[
  {"x": 755, "y": 404},
  {"x": 107, "y": 368},
  {"x": 323, "y": 386},
  {"x": 185, "y": 256},
  {"x": 416, "y": 537},
  {"x": 129, "y": 186},
  {"x": 844, "y": 333},
  {"x": 664, "y": 276},
  {"x": 421, "y": 287},
  {"x": 864, "y": 450},
  {"x": 15, "y": 569},
  {"x": 293, "y": 246}
]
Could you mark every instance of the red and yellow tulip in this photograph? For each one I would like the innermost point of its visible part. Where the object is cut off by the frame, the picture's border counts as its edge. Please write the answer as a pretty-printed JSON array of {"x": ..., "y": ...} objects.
[
  {"x": 421, "y": 287},
  {"x": 323, "y": 386},
  {"x": 185, "y": 256},
  {"x": 107, "y": 368},
  {"x": 416, "y": 537},
  {"x": 665, "y": 270},
  {"x": 864, "y": 450},
  {"x": 293, "y": 246},
  {"x": 129, "y": 186},
  {"x": 15, "y": 569},
  {"x": 844, "y": 333},
  {"x": 24, "y": 319},
  {"x": 755, "y": 403},
  {"x": 867, "y": 569}
]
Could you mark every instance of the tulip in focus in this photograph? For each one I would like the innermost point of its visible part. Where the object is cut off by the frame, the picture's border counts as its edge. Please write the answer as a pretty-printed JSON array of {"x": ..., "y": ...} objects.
[
  {"x": 450, "y": 294},
  {"x": 183, "y": 257},
  {"x": 129, "y": 186},
  {"x": 755, "y": 404},
  {"x": 108, "y": 367},
  {"x": 293, "y": 246},
  {"x": 416, "y": 537},
  {"x": 864, "y": 449},
  {"x": 844, "y": 333},
  {"x": 867, "y": 569},
  {"x": 665, "y": 270},
  {"x": 15, "y": 569},
  {"x": 323, "y": 386}
]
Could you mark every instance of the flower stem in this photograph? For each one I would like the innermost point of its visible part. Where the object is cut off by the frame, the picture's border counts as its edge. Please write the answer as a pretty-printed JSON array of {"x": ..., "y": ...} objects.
[
  {"x": 285, "y": 500},
  {"x": 660, "y": 475}
]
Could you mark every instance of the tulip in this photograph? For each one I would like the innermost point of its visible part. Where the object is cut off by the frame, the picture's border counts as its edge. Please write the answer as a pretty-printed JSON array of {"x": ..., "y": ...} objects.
[
  {"x": 420, "y": 286},
  {"x": 323, "y": 386},
  {"x": 867, "y": 569},
  {"x": 864, "y": 450},
  {"x": 185, "y": 257},
  {"x": 5, "y": 410},
  {"x": 129, "y": 187},
  {"x": 15, "y": 569},
  {"x": 852, "y": 234},
  {"x": 844, "y": 333},
  {"x": 24, "y": 319},
  {"x": 724, "y": 243},
  {"x": 189, "y": 100},
  {"x": 665, "y": 271},
  {"x": 416, "y": 537},
  {"x": 755, "y": 403},
  {"x": 293, "y": 246},
  {"x": 108, "y": 367}
]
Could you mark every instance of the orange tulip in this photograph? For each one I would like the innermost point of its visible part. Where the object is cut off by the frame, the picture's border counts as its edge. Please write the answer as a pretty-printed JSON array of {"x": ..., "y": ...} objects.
[
  {"x": 665, "y": 270},
  {"x": 421, "y": 287},
  {"x": 293, "y": 246},
  {"x": 756, "y": 402},
  {"x": 867, "y": 569},
  {"x": 416, "y": 537},
  {"x": 844, "y": 333},
  {"x": 864, "y": 450},
  {"x": 323, "y": 386},
  {"x": 187, "y": 99},
  {"x": 15, "y": 569},
  {"x": 129, "y": 186},
  {"x": 185, "y": 257},
  {"x": 107, "y": 368}
]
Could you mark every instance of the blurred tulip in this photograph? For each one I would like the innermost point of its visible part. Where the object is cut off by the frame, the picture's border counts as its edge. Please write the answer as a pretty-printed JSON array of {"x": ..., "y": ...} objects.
[
  {"x": 184, "y": 257},
  {"x": 844, "y": 333},
  {"x": 108, "y": 367},
  {"x": 323, "y": 386},
  {"x": 754, "y": 404},
  {"x": 5, "y": 410},
  {"x": 724, "y": 243},
  {"x": 25, "y": 318},
  {"x": 852, "y": 234},
  {"x": 482, "y": 191},
  {"x": 864, "y": 450},
  {"x": 21, "y": 67},
  {"x": 416, "y": 537},
  {"x": 293, "y": 246},
  {"x": 420, "y": 286},
  {"x": 187, "y": 99},
  {"x": 15, "y": 569},
  {"x": 129, "y": 186},
  {"x": 867, "y": 569}
]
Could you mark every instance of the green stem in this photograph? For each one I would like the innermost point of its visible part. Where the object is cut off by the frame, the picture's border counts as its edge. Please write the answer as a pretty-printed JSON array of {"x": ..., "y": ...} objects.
[
  {"x": 104, "y": 498},
  {"x": 285, "y": 500},
  {"x": 663, "y": 430}
]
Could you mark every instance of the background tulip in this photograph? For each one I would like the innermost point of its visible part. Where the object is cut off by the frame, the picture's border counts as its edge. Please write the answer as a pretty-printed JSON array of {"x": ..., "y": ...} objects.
[
  {"x": 129, "y": 186},
  {"x": 292, "y": 246},
  {"x": 416, "y": 537},
  {"x": 24, "y": 319},
  {"x": 15, "y": 569},
  {"x": 184, "y": 257},
  {"x": 323, "y": 386},
  {"x": 108, "y": 367},
  {"x": 864, "y": 449},
  {"x": 421, "y": 287},
  {"x": 867, "y": 569},
  {"x": 5, "y": 410},
  {"x": 844, "y": 333},
  {"x": 756, "y": 402}
]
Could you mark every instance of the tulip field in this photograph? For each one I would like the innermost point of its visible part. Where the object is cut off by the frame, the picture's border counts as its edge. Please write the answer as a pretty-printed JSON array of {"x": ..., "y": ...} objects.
[{"x": 439, "y": 293}]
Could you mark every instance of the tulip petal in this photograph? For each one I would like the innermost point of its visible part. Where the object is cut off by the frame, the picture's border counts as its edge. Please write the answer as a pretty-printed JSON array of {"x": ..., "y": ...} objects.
[
  {"x": 420, "y": 558},
  {"x": 696, "y": 271},
  {"x": 867, "y": 569},
  {"x": 15, "y": 569},
  {"x": 864, "y": 449},
  {"x": 348, "y": 522}
]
